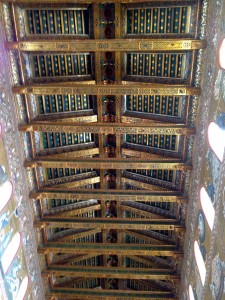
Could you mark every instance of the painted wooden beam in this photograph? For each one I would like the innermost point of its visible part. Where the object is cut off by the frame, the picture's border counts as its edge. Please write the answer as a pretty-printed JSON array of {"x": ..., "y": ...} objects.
[
  {"x": 124, "y": 88},
  {"x": 105, "y": 194},
  {"x": 110, "y": 249},
  {"x": 109, "y": 223},
  {"x": 99, "y": 164},
  {"x": 96, "y": 294},
  {"x": 72, "y": 154},
  {"x": 109, "y": 272},
  {"x": 103, "y": 45},
  {"x": 109, "y": 128}
]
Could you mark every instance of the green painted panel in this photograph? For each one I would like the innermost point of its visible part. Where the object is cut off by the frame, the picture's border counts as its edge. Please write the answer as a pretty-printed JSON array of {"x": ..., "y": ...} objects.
[
  {"x": 153, "y": 140},
  {"x": 53, "y": 65},
  {"x": 155, "y": 20},
  {"x": 58, "y": 21},
  {"x": 165, "y": 65},
  {"x": 161, "y": 105}
]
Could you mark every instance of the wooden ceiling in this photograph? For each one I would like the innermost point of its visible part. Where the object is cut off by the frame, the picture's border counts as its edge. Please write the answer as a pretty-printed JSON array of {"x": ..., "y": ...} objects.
[{"x": 106, "y": 94}]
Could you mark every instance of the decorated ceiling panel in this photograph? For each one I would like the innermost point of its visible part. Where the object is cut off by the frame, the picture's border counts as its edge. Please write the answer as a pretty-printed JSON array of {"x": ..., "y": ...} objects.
[
  {"x": 58, "y": 65},
  {"x": 156, "y": 65},
  {"x": 53, "y": 21},
  {"x": 156, "y": 20},
  {"x": 101, "y": 119}
]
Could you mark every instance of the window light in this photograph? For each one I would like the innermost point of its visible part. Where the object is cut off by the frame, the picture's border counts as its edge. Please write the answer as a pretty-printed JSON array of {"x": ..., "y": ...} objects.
[
  {"x": 10, "y": 252},
  {"x": 216, "y": 137},
  {"x": 23, "y": 289},
  {"x": 222, "y": 54},
  {"x": 5, "y": 193},
  {"x": 200, "y": 262},
  {"x": 191, "y": 293},
  {"x": 207, "y": 207}
]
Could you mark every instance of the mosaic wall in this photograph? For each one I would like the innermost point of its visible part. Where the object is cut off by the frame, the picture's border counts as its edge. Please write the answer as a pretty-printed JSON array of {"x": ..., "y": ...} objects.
[{"x": 208, "y": 173}]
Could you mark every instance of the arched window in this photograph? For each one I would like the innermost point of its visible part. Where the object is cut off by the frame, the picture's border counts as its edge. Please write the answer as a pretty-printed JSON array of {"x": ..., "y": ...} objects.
[
  {"x": 222, "y": 54},
  {"x": 191, "y": 293},
  {"x": 5, "y": 193},
  {"x": 200, "y": 262},
  {"x": 216, "y": 137},
  {"x": 23, "y": 289},
  {"x": 207, "y": 207},
  {"x": 10, "y": 252}
]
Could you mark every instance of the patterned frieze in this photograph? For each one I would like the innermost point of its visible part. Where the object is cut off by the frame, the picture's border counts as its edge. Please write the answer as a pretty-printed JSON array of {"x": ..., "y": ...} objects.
[
  {"x": 98, "y": 163},
  {"x": 108, "y": 223},
  {"x": 107, "y": 45},
  {"x": 119, "y": 195},
  {"x": 110, "y": 128},
  {"x": 90, "y": 88},
  {"x": 107, "y": 272}
]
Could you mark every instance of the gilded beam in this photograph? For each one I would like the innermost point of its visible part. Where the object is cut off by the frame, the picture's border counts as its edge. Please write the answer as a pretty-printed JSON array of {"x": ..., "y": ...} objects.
[
  {"x": 75, "y": 211},
  {"x": 141, "y": 212},
  {"x": 96, "y": 294},
  {"x": 134, "y": 117},
  {"x": 110, "y": 248},
  {"x": 109, "y": 223},
  {"x": 119, "y": 195},
  {"x": 61, "y": 182},
  {"x": 144, "y": 185},
  {"x": 107, "y": 272},
  {"x": 99, "y": 164},
  {"x": 66, "y": 259},
  {"x": 150, "y": 156},
  {"x": 124, "y": 88},
  {"x": 110, "y": 128},
  {"x": 72, "y": 118},
  {"x": 92, "y": 45},
  {"x": 146, "y": 262},
  {"x": 77, "y": 235},
  {"x": 71, "y": 154},
  {"x": 149, "y": 240}
]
